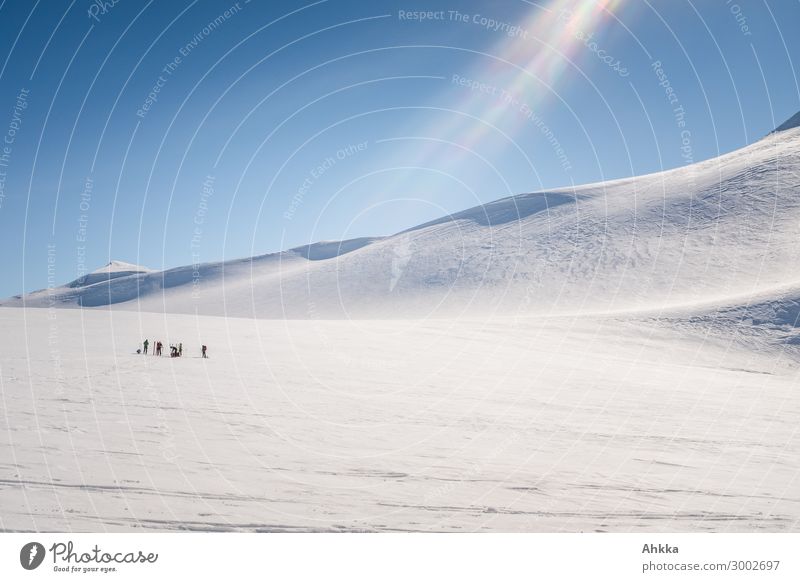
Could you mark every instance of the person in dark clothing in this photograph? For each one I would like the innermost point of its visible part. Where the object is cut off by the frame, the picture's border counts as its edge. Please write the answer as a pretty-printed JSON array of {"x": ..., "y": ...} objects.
[
  {"x": 158, "y": 348},
  {"x": 173, "y": 351},
  {"x": 205, "y": 355},
  {"x": 180, "y": 349},
  {"x": 145, "y": 344}
]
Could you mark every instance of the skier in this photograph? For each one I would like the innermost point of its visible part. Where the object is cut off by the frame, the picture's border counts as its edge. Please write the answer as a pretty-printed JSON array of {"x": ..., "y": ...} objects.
[
  {"x": 180, "y": 349},
  {"x": 205, "y": 355},
  {"x": 145, "y": 344},
  {"x": 158, "y": 348}
]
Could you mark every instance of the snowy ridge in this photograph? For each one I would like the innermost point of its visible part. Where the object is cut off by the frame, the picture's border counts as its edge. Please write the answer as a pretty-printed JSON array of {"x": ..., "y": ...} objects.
[
  {"x": 121, "y": 267},
  {"x": 790, "y": 123},
  {"x": 726, "y": 227}
]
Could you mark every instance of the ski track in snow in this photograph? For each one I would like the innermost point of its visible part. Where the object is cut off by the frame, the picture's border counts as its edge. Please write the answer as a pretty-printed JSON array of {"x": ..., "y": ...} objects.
[{"x": 515, "y": 424}]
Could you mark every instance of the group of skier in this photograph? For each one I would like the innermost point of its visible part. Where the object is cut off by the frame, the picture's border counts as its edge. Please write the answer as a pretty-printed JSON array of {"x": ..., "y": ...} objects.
[{"x": 175, "y": 350}]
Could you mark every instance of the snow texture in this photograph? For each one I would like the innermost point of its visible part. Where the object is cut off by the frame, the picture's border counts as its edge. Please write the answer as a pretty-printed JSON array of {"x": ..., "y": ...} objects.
[{"x": 503, "y": 424}]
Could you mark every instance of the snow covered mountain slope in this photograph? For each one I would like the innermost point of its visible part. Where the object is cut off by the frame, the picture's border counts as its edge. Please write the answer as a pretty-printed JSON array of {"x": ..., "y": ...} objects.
[{"x": 720, "y": 229}]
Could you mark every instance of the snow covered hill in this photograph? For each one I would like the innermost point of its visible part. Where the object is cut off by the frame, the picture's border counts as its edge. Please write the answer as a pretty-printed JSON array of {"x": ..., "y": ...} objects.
[
  {"x": 721, "y": 229},
  {"x": 620, "y": 356},
  {"x": 112, "y": 270}
]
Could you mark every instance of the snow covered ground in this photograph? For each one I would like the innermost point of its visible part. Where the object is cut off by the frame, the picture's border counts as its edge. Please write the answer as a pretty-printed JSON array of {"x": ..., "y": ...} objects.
[{"x": 501, "y": 424}]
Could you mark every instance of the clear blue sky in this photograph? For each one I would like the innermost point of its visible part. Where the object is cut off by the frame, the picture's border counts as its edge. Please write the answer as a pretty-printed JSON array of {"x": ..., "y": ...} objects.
[{"x": 267, "y": 103}]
